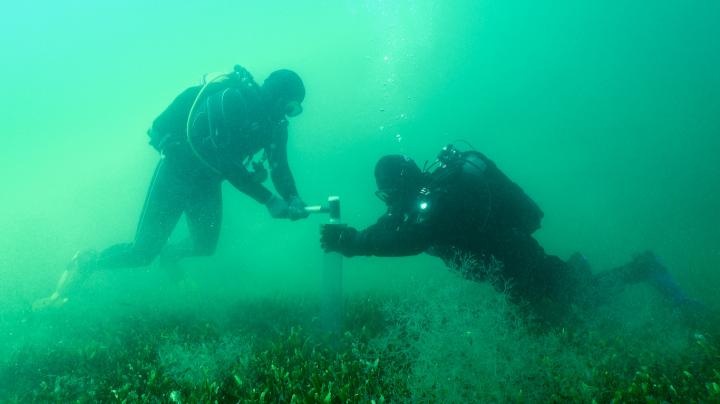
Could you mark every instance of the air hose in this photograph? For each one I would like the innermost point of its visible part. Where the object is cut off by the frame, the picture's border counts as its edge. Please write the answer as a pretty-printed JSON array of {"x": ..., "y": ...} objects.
[{"x": 207, "y": 83}]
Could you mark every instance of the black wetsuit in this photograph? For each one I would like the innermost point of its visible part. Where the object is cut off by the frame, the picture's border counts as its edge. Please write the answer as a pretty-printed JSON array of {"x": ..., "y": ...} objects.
[
  {"x": 470, "y": 209},
  {"x": 183, "y": 183},
  {"x": 474, "y": 217}
]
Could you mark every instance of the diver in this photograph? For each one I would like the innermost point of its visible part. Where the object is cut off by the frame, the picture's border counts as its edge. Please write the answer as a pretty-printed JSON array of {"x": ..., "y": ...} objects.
[
  {"x": 466, "y": 211},
  {"x": 227, "y": 128}
]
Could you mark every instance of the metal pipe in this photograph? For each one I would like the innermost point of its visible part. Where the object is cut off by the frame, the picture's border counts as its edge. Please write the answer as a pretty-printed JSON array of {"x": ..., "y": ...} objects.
[{"x": 332, "y": 296}]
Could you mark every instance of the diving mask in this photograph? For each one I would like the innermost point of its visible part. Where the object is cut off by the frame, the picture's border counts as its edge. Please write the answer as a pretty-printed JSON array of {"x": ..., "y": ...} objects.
[{"x": 292, "y": 109}]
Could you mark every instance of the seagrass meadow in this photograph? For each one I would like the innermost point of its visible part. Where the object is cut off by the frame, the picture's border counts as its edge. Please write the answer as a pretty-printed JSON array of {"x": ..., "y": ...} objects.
[
  {"x": 449, "y": 340},
  {"x": 604, "y": 112}
]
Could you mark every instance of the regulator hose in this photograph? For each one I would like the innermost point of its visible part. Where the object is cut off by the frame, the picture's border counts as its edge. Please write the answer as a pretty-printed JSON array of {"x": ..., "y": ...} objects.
[{"x": 192, "y": 113}]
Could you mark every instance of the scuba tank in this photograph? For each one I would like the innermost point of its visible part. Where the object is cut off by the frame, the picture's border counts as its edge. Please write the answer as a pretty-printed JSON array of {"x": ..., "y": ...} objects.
[
  {"x": 501, "y": 202},
  {"x": 216, "y": 114}
]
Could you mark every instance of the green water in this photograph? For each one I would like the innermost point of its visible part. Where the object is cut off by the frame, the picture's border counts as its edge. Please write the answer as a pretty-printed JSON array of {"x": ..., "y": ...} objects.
[{"x": 605, "y": 112}]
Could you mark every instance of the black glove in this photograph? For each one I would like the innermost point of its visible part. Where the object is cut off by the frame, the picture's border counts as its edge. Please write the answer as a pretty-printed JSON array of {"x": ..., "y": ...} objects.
[
  {"x": 296, "y": 209},
  {"x": 277, "y": 207},
  {"x": 337, "y": 237}
]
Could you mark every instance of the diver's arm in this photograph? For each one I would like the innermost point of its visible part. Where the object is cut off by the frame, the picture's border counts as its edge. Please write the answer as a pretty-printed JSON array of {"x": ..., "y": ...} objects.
[
  {"x": 403, "y": 241},
  {"x": 242, "y": 180},
  {"x": 280, "y": 173},
  {"x": 386, "y": 238}
]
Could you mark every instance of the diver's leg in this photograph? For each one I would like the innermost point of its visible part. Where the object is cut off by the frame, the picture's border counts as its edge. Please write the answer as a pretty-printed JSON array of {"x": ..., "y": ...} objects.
[
  {"x": 204, "y": 217},
  {"x": 164, "y": 204},
  {"x": 645, "y": 267},
  {"x": 545, "y": 282}
]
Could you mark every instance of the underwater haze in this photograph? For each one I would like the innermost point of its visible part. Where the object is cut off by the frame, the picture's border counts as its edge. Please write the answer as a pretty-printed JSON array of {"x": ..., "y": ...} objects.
[{"x": 607, "y": 113}]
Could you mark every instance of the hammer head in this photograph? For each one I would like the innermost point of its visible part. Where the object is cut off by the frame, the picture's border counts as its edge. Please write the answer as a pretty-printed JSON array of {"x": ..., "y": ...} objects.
[{"x": 334, "y": 207}]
